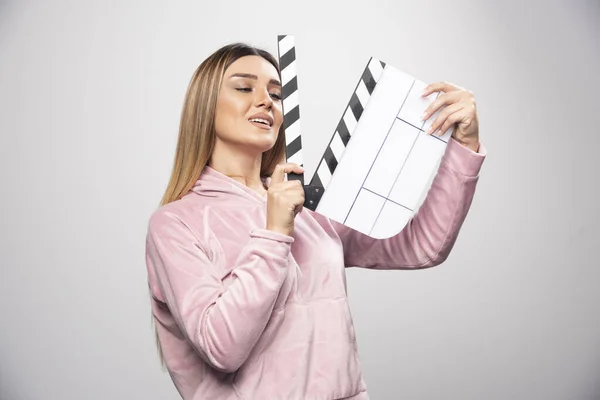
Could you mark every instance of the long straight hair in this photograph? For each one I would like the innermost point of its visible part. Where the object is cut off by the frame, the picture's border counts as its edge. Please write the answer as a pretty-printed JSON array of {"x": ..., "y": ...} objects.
[{"x": 196, "y": 139}]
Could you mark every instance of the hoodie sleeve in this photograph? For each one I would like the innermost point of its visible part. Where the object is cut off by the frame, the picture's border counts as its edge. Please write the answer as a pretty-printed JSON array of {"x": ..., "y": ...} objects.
[
  {"x": 223, "y": 322},
  {"x": 429, "y": 236}
]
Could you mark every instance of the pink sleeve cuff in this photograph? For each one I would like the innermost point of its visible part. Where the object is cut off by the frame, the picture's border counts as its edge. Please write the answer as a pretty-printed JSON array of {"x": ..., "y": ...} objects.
[
  {"x": 462, "y": 159},
  {"x": 267, "y": 234}
]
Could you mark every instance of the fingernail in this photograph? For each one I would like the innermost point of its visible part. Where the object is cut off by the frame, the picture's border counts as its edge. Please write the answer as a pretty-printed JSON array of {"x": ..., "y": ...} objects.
[
  {"x": 430, "y": 130},
  {"x": 424, "y": 116}
]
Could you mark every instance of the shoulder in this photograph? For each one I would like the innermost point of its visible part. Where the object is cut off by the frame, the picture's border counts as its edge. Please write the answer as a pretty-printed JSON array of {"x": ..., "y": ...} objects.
[{"x": 179, "y": 216}]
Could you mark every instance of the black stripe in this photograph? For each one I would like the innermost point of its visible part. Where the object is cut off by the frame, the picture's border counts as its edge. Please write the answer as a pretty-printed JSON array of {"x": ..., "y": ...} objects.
[
  {"x": 280, "y": 37},
  {"x": 296, "y": 177},
  {"x": 343, "y": 132},
  {"x": 291, "y": 117},
  {"x": 293, "y": 147},
  {"x": 369, "y": 81},
  {"x": 382, "y": 64},
  {"x": 316, "y": 181},
  {"x": 355, "y": 106},
  {"x": 289, "y": 88},
  {"x": 330, "y": 160},
  {"x": 287, "y": 58}
]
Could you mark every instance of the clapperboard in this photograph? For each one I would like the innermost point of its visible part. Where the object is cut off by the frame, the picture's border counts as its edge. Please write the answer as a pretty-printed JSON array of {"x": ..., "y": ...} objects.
[{"x": 380, "y": 162}]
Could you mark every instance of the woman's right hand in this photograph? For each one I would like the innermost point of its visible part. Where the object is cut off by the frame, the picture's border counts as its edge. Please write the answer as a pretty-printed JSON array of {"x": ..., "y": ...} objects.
[{"x": 285, "y": 199}]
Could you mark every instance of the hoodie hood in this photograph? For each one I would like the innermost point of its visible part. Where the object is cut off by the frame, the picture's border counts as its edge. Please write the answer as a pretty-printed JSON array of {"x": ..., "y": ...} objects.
[{"x": 212, "y": 183}]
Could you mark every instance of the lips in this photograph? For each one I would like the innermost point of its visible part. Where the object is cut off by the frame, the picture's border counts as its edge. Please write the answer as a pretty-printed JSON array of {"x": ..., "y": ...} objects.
[
  {"x": 261, "y": 125},
  {"x": 261, "y": 120}
]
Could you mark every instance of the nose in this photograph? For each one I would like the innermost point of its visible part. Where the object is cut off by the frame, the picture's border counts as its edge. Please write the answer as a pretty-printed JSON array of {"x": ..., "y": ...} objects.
[{"x": 263, "y": 99}]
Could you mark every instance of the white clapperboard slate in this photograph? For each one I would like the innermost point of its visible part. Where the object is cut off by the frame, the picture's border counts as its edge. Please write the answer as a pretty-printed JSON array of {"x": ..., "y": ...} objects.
[{"x": 380, "y": 162}]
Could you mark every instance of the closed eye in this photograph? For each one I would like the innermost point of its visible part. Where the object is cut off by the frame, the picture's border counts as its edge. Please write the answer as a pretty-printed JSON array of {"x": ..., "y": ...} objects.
[{"x": 276, "y": 96}]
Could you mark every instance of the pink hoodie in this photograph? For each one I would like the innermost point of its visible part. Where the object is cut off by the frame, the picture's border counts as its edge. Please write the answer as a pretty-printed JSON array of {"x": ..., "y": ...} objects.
[{"x": 246, "y": 313}]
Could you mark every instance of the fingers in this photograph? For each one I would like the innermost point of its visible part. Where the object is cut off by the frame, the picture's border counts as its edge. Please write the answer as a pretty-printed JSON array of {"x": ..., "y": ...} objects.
[
  {"x": 442, "y": 100},
  {"x": 286, "y": 185},
  {"x": 442, "y": 119},
  {"x": 439, "y": 87},
  {"x": 455, "y": 106},
  {"x": 290, "y": 193},
  {"x": 285, "y": 168},
  {"x": 462, "y": 115},
  {"x": 451, "y": 120}
]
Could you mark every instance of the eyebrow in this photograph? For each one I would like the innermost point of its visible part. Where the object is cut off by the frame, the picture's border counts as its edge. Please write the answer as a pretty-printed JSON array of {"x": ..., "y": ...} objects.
[{"x": 251, "y": 76}]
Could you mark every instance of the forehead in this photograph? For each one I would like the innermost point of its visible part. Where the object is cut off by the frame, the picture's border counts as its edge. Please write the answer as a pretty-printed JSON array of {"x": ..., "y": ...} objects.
[{"x": 255, "y": 65}]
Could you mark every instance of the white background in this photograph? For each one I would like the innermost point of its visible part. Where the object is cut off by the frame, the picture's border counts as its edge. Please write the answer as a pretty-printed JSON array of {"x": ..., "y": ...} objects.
[{"x": 90, "y": 97}]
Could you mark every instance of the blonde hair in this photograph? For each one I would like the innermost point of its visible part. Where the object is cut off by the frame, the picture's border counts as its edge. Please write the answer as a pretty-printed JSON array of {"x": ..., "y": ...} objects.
[{"x": 196, "y": 139}]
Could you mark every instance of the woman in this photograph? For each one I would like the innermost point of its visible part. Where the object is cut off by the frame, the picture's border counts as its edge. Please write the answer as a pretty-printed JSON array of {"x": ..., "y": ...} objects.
[{"x": 248, "y": 288}]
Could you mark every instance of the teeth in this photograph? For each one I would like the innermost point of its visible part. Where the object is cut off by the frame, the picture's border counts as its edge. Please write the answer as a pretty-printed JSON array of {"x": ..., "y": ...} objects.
[{"x": 262, "y": 121}]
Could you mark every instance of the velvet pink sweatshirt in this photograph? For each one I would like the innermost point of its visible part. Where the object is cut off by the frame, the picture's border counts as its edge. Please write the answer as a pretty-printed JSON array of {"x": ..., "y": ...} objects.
[{"x": 247, "y": 313}]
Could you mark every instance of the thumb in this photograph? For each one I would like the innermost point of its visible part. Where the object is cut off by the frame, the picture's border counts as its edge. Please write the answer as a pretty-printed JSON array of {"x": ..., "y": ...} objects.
[{"x": 285, "y": 168}]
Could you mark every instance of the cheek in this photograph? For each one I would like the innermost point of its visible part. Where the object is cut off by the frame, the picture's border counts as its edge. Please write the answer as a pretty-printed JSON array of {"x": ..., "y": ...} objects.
[
  {"x": 225, "y": 116},
  {"x": 278, "y": 116}
]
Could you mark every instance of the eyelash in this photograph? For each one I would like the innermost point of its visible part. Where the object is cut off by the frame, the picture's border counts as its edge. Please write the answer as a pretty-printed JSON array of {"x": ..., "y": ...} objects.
[{"x": 246, "y": 90}]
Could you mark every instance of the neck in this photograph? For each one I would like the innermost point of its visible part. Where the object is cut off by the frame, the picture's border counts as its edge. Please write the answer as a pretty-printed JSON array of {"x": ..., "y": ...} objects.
[{"x": 237, "y": 164}]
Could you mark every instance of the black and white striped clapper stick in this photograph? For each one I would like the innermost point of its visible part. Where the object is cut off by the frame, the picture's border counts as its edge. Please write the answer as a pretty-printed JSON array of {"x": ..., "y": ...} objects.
[
  {"x": 291, "y": 106},
  {"x": 354, "y": 110}
]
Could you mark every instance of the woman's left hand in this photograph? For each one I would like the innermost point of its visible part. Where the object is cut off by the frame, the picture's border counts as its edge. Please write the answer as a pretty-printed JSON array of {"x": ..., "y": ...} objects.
[{"x": 460, "y": 109}]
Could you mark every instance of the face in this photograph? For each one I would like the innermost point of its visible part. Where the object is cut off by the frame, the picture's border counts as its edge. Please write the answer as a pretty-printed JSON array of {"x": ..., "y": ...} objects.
[{"x": 249, "y": 112}]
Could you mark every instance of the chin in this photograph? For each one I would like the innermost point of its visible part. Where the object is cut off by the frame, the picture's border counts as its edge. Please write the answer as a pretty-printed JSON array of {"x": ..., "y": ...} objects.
[
  {"x": 263, "y": 143},
  {"x": 264, "y": 146}
]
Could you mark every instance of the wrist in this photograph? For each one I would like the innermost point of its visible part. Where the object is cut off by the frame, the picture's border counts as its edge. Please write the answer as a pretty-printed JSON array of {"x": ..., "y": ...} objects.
[
  {"x": 278, "y": 230},
  {"x": 473, "y": 145}
]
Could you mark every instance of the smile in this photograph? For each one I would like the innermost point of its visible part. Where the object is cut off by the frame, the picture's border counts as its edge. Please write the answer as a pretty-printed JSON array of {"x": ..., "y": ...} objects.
[{"x": 261, "y": 123}]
